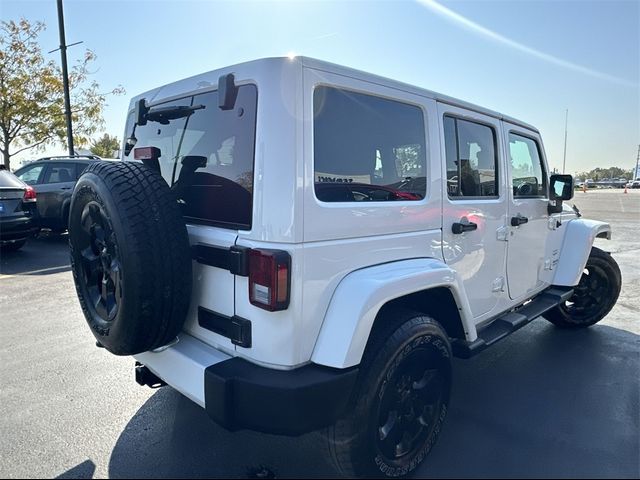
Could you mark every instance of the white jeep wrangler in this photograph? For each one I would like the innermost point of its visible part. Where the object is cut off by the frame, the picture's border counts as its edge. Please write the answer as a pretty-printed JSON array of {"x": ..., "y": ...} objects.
[{"x": 298, "y": 246}]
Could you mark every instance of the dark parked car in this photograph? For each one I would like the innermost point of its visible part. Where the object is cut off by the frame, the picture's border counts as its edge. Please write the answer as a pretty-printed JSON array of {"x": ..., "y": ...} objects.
[
  {"x": 53, "y": 179},
  {"x": 17, "y": 211}
]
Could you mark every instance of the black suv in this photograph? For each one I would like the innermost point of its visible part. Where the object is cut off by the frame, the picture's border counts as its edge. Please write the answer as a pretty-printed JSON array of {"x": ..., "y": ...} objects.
[{"x": 53, "y": 179}]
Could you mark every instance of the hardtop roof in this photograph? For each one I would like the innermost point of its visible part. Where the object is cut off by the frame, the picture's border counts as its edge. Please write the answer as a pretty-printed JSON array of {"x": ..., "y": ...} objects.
[
  {"x": 167, "y": 91},
  {"x": 373, "y": 78}
]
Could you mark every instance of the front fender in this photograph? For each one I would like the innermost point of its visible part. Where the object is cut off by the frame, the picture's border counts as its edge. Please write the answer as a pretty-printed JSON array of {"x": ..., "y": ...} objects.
[
  {"x": 576, "y": 246},
  {"x": 360, "y": 295}
]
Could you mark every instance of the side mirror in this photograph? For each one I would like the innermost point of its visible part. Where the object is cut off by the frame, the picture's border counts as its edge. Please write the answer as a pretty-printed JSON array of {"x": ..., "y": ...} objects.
[{"x": 561, "y": 187}]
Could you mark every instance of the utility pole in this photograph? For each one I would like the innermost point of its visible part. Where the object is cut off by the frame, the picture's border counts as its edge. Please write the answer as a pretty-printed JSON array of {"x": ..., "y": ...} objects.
[
  {"x": 636, "y": 174},
  {"x": 564, "y": 158},
  {"x": 65, "y": 78}
]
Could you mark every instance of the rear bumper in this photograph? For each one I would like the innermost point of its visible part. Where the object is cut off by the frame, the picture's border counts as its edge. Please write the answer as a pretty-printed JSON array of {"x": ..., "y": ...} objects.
[
  {"x": 12, "y": 229},
  {"x": 238, "y": 394}
]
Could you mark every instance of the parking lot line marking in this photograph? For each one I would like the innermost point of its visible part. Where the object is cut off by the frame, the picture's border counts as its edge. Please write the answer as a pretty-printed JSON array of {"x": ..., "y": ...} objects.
[
  {"x": 33, "y": 272},
  {"x": 621, "y": 205}
]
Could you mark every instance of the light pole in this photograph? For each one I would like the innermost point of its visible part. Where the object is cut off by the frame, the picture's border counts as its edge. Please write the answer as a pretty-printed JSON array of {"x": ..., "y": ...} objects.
[{"x": 65, "y": 78}]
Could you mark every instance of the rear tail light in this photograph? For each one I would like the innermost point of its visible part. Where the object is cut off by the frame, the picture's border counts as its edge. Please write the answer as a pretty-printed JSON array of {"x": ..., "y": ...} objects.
[
  {"x": 269, "y": 279},
  {"x": 29, "y": 195}
]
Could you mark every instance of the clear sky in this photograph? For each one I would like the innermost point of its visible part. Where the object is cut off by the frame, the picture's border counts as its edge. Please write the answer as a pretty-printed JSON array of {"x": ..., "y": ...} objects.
[{"x": 529, "y": 59}]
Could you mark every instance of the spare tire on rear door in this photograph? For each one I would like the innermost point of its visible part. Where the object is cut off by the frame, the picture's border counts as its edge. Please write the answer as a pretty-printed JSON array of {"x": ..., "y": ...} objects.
[{"x": 130, "y": 256}]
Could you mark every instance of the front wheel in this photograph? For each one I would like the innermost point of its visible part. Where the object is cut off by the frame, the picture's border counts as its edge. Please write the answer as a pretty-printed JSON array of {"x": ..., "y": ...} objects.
[
  {"x": 400, "y": 400},
  {"x": 593, "y": 297}
]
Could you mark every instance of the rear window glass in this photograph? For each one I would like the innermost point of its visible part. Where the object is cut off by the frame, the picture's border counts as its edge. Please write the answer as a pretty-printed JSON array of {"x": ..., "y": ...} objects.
[
  {"x": 9, "y": 180},
  {"x": 219, "y": 147},
  {"x": 367, "y": 148}
]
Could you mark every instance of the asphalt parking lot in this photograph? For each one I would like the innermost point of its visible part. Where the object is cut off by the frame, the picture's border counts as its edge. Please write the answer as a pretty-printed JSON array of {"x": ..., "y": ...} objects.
[{"x": 543, "y": 403}]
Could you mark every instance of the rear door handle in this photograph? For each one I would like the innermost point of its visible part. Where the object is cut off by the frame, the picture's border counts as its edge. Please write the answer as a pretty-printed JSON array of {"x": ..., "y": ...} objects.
[
  {"x": 65, "y": 188},
  {"x": 458, "y": 228},
  {"x": 518, "y": 220}
]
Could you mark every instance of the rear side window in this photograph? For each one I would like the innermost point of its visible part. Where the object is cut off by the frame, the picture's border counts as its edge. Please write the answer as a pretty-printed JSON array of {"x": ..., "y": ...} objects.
[
  {"x": 60, "y": 173},
  {"x": 30, "y": 174},
  {"x": 208, "y": 157},
  {"x": 527, "y": 173},
  {"x": 367, "y": 148},
  {"x": 472, "y": 161}
]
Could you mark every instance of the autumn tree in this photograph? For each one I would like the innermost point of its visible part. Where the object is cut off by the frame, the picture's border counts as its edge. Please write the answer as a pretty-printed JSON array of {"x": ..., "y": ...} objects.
[
  {"x": 105, "y": 146},
  {"x": 32, "y": 112}
]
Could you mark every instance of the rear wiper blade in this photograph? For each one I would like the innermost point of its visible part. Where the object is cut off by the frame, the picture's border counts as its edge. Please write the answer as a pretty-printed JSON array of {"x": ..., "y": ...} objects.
[{"x": 164, "y": 115}]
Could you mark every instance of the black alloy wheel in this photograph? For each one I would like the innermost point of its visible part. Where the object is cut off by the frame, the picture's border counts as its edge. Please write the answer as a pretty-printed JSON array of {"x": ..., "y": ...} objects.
[
  {"x": 593, "y": 297},
  {"x": 589, "y": 295},
  {"x": 409, "y": 406},
  {"x": 101, "y": 266},
  {"x": 400, "y": 400}
]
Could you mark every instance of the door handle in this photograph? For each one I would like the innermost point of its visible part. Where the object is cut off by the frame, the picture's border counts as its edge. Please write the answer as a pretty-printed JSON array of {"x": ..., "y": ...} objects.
[
  {"x": 518, "y": 220},
  {"x": 65, "y": 188},
  {"x": 458, "y": 228}
]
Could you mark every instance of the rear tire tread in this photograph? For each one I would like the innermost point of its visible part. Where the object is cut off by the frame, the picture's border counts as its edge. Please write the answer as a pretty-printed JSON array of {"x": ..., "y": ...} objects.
[{"x": 155, "y": 235}]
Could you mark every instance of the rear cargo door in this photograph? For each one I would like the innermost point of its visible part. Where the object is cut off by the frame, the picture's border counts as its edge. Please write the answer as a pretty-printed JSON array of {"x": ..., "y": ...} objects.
[
  {"x": 207, "y": 157},
  {"x": 212, "y": 300}
]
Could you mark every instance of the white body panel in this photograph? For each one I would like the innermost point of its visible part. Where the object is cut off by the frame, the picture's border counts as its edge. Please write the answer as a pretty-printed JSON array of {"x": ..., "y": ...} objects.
[
  {"x": 576, "y": 246},
  {"x": 213, "y": 288},
  {"x": 360, "y": 296}
]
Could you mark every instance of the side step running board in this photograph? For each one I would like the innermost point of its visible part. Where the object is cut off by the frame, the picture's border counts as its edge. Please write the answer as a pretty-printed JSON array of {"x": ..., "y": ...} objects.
[{"x": 508, "y": 323}]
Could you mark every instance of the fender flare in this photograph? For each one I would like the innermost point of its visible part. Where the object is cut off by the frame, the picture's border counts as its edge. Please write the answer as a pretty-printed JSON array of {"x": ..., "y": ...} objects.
[
  {"x": 576, "y": 247},
  {"x": 360, "y": 295}
]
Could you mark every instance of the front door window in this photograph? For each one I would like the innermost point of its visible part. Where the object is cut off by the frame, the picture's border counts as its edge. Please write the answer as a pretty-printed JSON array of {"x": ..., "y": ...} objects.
[{"x": 527, "y": 174}]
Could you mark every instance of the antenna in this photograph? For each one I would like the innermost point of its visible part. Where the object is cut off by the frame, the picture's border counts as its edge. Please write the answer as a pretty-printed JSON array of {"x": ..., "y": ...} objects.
[{"x": 564, "y": 158}]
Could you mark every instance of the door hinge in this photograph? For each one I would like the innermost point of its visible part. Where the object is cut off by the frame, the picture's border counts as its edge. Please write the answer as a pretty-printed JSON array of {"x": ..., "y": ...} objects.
[{"x": 235, "y": 259}]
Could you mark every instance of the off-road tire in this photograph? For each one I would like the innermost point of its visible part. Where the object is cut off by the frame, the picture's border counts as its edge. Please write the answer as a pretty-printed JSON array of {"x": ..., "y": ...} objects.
[
  {"x": 593, "y": 297},
  {"x": 415, "y": 343},
  {"x": 130, "y": 257}
]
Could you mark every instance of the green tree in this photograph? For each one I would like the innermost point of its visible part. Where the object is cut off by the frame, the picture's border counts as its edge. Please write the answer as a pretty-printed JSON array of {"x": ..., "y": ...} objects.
[
  {"x": 105, "y": 146},
  {"x": 600, "y": 173},
  {"x": 32, "y": 98}
]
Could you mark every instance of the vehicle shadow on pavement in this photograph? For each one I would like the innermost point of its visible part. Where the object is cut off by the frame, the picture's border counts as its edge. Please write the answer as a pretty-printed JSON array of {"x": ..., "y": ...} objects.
[
  {"x": 85, "y": 469},
  {"x": 42, "y": 255},
  {"x": 545, "y": 402},
  {"x": 170, "y": 436}
]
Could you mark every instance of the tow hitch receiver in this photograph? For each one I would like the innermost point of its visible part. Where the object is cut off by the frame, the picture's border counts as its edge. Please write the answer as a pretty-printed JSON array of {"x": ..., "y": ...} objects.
[{"x": 144, "y": 376}]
